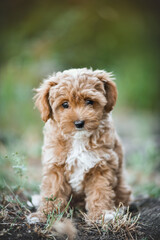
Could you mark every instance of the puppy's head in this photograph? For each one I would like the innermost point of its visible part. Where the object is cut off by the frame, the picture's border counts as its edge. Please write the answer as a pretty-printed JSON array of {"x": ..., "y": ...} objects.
[{"x": 77, "y": 99}]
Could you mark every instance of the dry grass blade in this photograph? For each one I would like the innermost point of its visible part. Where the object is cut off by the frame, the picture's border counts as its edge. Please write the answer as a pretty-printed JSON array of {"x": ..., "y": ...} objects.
[
  {"x": 19, "y": 203},
  {"x": 122, "y": 223},
  {"x": 90, "y": 221}
]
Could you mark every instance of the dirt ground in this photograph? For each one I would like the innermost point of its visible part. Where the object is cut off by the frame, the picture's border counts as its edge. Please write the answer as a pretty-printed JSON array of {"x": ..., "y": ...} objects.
[{"x": 13, "y": 223}]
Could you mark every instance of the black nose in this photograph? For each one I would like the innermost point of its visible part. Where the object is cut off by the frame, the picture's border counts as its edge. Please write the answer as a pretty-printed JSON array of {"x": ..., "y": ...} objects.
[{"x": 79, "y": 124}]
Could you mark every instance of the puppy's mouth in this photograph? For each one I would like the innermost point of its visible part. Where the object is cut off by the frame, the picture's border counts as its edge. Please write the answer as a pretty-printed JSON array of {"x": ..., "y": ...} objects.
[
  {"x": 80, "y": 129},
  {"x": 79, "y": 126},
  {"x": 79, "y": 134}
]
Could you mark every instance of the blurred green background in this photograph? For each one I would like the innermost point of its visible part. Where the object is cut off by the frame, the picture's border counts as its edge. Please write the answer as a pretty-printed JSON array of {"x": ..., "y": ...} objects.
[{"x": 40, "y": 37}]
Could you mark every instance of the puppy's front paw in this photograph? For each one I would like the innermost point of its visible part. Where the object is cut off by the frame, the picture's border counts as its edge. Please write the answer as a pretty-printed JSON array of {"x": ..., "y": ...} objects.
[
  {"x": 109, "y": 215},
  {"x": 103, "y": 217},
  {"x": 36, "y": 218},
  {"x": 32, "y": 219}
]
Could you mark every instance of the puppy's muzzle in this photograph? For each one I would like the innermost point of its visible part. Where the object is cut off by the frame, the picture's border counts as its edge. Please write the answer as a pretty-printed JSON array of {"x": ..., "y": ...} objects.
[{"x": 79, "y": 124}]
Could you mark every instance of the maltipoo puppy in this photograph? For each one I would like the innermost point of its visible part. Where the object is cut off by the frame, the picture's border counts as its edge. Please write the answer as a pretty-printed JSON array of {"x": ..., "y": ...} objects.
[{"x": 82, "y": 153}]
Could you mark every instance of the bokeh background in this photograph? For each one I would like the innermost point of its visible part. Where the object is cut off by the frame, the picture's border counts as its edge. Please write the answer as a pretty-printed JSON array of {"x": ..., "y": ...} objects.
[{"x": 40, "y": 37}]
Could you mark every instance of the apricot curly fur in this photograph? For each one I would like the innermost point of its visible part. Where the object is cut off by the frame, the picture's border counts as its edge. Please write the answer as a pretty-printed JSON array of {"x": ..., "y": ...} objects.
[{"x": 87, "y": 161}]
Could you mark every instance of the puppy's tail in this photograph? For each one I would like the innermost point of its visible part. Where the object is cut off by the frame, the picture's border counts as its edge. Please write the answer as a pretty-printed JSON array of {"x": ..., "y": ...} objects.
[{"x": 65, "y": 226}]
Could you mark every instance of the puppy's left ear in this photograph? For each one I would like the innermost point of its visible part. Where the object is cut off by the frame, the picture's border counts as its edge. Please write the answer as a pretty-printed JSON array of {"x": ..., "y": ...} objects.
[
  {"x": 111, "y": 95},
  {"x": 109, "y": 87},
  {"x": 42, "y": 99}
]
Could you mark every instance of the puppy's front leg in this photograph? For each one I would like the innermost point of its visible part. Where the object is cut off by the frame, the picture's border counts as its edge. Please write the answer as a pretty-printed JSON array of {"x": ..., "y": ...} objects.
[
  {"x": 122, "y": 190},
  {"x": 99, "y": 194},
  {"x": 54, "y": 194}
]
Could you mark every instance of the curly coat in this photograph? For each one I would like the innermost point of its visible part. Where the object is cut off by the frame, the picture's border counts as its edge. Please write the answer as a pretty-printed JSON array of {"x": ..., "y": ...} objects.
[{"x": 84, "y": 162}]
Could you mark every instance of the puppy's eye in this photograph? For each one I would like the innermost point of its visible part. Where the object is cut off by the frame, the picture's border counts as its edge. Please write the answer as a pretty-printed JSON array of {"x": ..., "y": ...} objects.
[
  {"x": 65, "y": 105},
  {"x": 89, "y": 102}
]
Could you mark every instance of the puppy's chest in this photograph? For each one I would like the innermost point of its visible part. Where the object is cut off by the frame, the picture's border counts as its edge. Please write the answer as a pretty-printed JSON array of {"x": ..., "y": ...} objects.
[{"x": 80, "y": 160}]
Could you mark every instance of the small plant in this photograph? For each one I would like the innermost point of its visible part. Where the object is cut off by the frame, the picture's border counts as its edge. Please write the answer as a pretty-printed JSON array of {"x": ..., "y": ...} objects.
[
  {"x": 56, "y": 215},
  {"x": 12, "y": 171},
  {"x": 19, "y": 165}
]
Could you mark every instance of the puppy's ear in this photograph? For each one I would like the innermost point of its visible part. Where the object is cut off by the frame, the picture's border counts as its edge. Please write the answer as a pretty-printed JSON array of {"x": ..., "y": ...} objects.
[
  {"x": 111, "y": 95},
  {"x": 42, "y": 99},
  {"x": 109, "y": 87}
]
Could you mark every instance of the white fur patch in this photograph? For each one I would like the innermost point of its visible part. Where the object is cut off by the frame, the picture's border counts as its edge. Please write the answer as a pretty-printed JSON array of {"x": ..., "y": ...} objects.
[
  {"x": 81, "y": 159},
  {"x": 35, "y": 201},
  {"x": 32, "y": 220},
  {"x": 109, "y": 215}
]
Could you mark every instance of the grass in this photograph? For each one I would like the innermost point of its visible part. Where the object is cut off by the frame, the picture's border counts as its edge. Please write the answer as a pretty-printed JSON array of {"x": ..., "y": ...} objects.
[
  {"x": 143, "y": 166},
  {"x": 56, "y": 215},
  {"x": 13, "y": 211},
  {"x": 124, "y": 224},
  {"x": 14, "y": 174}
]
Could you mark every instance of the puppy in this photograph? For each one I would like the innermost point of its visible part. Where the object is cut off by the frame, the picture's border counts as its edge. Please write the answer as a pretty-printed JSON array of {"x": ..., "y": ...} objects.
[{"x": 82, "y": 153}]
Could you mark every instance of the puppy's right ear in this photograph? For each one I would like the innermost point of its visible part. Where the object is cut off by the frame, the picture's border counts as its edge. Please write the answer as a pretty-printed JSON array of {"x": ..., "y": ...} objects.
[{"x": 42, "y": 99}]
